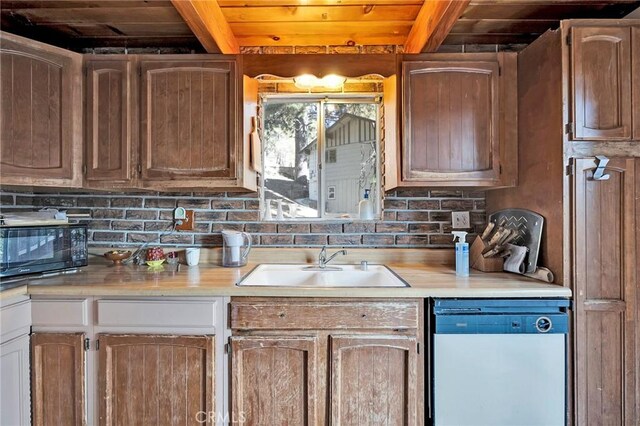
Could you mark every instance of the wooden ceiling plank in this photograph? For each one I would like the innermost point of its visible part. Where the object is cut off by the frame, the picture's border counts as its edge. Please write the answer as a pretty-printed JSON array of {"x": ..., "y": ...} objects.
[
  {"x": 321, "y": 13},
  {"x": 545, "y": 2},
  {"x": 324, "y": 40},
  {"x": 508, "y": 26},
  {"x": 548, "y": 10},
  {"x": 457, "y": 39},
  {"x": 208, "y": 23},
  {"x": 434, "y": 21},
  {"x": 72, "y": 4},
  {"x": 266, "y": 3},
  {"x": 45, "y": 16},
  {"x": 322, "y": 29}
]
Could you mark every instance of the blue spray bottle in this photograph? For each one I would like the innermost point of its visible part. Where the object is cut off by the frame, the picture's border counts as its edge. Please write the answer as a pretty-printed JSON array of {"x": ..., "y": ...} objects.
[{"x": 462, "y": 253}]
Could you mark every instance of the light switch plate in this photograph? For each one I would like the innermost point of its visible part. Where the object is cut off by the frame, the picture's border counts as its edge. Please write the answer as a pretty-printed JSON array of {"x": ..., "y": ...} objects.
[{"x": 460, "y": 220}]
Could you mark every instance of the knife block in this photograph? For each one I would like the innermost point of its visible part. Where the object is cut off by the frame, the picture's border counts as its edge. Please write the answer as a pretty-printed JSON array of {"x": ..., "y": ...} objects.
[{"x": 481, "y": 263}]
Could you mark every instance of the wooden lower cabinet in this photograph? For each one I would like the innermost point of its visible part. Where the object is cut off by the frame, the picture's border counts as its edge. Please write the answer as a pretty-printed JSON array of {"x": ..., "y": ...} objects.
[
  {"x": 606, "y": 285},
  {"x": 373, "y": 380},
  {"x": 361, "y": 367},
  {"x": 274, "y": 380},
  {"x": 155, "y": 379},
  {"x": 58, "y": 378}
]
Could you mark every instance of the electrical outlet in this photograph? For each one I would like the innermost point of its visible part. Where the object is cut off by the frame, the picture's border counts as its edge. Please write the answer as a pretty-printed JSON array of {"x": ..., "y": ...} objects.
[
  {"x": 185, "y": 224},
  {"x": 460, "y": 220}
]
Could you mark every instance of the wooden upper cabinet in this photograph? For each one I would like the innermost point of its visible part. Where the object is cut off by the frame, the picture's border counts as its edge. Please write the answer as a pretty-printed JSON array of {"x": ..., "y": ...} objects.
[
  {"x": 374, "y": 380},
  {"x": 454, "y": 122},
  {"x": 40, "y": 134},
  {"x": 274, "y": 379},
  {"x": 605, "y": 288},
  {"x": 110, "y": 148},
  {"x": 601, "y": 82},
  {"x": 145, "y": 379},
  {"x": 189, "y": 117},
  {"x": 58, "y": 379}
]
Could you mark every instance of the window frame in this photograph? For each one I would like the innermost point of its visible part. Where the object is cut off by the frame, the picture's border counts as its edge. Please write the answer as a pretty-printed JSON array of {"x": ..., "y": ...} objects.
[{"x": 324, "y": 99}]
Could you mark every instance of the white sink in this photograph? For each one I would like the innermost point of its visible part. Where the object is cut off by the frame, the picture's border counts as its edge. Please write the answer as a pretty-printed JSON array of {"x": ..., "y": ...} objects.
[{"x": 279, "y": 275}]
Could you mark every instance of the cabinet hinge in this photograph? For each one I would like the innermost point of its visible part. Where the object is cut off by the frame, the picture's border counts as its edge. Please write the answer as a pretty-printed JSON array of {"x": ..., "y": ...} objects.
[
  {"x": 84, "y": 169},
  {"x": 500, "y": 169},
  {"x": 87, "y": 344},
  {"x": 139, "y": 169},
  {"x": 569, "y": 128},
  {"x": 227, "y": 348},
  {"x": 418, "y": 348},
  {"x": 499, "y": 71},
  {"x": 97, "y": 344},
  {"x": 570, "y": 169}
]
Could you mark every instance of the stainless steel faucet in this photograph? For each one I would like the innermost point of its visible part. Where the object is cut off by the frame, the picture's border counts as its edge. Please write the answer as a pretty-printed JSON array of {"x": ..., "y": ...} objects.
[{"x": 322, "y": 257}]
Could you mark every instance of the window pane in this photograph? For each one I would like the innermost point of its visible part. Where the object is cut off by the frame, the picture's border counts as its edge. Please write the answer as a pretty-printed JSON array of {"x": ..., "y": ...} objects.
[
  {"x": 291, "y": 158},
  {"x": 351, "y": 161}
]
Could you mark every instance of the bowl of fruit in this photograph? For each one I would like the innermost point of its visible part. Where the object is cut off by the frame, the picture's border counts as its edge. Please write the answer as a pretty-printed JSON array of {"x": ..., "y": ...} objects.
[
  {"x": 155, "y": 256},
  {"x": 117, "y": 256}
]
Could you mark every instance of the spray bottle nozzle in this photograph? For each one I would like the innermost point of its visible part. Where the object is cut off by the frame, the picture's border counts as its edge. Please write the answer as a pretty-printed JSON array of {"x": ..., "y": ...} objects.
[{"x": 460, "y": 235}]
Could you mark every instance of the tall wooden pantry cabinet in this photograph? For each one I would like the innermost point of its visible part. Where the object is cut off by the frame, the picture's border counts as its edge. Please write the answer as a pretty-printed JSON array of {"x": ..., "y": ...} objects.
[{"x": 579, "y": 166}]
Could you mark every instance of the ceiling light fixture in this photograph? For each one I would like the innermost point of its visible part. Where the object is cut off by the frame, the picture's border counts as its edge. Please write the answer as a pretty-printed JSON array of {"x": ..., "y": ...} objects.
[{"x": 310, "y": 81}]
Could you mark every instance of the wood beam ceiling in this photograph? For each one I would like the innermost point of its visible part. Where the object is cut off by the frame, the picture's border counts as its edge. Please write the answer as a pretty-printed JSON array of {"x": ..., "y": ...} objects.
[
  {"x": 434, "y": 21},
  {"x": 206, "y": 20}
]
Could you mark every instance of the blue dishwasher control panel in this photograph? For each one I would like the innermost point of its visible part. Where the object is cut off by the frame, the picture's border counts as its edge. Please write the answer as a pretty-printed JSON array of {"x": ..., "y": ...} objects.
[{"x": 501, "y": 316}]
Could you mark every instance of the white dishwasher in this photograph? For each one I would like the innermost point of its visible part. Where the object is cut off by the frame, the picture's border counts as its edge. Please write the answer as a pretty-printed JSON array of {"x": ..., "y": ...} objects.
[{"x": 499, "y": 362}]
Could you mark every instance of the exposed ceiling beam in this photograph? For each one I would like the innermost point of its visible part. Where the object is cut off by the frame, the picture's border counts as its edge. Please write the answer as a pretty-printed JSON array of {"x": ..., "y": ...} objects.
[
  {"x": 433, "y": 23},
  {"x": 206, "y": 20}
]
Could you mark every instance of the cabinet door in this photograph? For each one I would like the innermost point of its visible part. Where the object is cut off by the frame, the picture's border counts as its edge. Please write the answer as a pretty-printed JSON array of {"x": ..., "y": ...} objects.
[
  {"x": 58, "y": 378},
  {"x": 109, "y": 156},
  {"x": 274, "y": 380},
  {"x": 601, "y": 65},
  {"x": 451, "y": 122},
  {"x": 15, "y": 403},
  {"x": 146, "y": 379},
  {"x": 374, "y": 380},
  {"x": 189, "y": 119},
  {"x": 605, "y": 288},
  {"x": 40, "y": 113}
]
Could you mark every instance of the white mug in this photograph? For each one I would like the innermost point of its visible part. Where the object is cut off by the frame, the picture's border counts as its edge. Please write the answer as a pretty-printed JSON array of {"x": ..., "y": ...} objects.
[{"x": 193, "y": 255}]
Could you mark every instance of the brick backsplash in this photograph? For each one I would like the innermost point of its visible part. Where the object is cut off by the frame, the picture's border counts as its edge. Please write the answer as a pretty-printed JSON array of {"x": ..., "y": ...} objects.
[{"x": 412, "y": 218}]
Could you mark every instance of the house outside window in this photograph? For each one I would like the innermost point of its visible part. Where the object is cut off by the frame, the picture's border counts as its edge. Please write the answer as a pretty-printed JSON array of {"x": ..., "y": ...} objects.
[{"x": 320, "y": 155}]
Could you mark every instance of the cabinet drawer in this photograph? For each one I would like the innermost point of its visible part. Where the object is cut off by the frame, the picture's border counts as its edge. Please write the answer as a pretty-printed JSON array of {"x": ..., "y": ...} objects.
[
  {"x": 156, "y": 313},
  {"x": 60, "y": 313},
  {"x": 15, "y": 320},
  {"x": 252, "y": 315}
]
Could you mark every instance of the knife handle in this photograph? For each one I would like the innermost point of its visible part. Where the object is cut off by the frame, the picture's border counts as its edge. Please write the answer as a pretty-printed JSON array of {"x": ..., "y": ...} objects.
[{"x": 487, "y": 231}]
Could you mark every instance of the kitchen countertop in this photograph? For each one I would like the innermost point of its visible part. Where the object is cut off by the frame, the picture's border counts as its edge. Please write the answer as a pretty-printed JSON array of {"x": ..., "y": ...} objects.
[{"x": 437, "y": 280}]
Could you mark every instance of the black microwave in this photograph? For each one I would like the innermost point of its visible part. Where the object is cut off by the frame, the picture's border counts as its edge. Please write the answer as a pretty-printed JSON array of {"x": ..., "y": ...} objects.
[{"x": 31, "y": 249}]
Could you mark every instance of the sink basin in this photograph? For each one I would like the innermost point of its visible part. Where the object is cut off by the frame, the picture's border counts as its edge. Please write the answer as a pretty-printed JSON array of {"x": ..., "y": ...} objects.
[{"x": 278, "y": 275}]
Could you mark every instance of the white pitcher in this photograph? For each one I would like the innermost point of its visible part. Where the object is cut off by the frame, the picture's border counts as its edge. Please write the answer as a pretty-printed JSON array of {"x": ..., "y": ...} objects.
[{"x": 235, "y": 248}]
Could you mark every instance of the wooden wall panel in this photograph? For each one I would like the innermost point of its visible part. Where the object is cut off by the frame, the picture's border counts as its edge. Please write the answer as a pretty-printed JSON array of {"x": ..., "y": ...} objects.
[
  {"x": 189, "y": 119},
  {"x": 635, "y": 83},
  {"x": 605, "y": 250},
  {"x": 58, "y": 379},
  {"x": 145, "y": 379},
  {"x": 540, "y": 148},
  {"x": 601, "y": 59},
  {"x": 273, "y": 380},
  {"x": 374, "y": 380}
]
